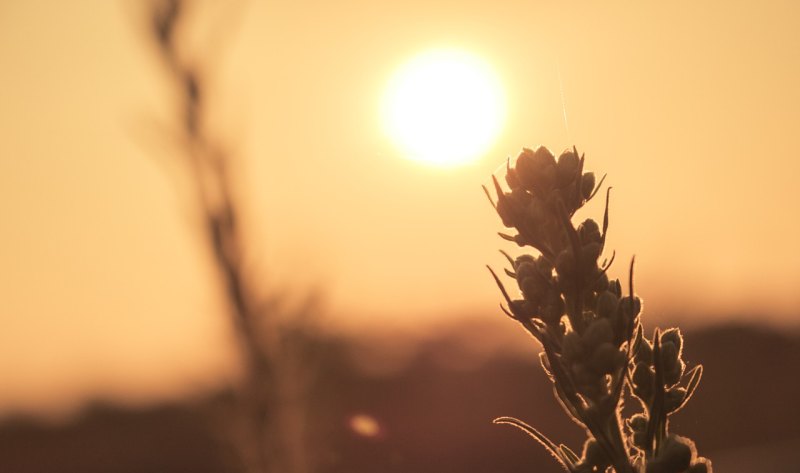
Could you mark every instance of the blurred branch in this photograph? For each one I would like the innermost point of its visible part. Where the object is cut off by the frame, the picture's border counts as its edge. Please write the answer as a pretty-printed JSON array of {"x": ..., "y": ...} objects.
[{"x": 270, "y": 400}]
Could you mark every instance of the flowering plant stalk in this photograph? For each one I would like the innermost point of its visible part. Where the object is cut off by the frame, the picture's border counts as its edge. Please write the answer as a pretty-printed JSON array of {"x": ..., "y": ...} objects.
[
  {"x": 591, "y": 334},
  {"x": 267, "y": 415}
]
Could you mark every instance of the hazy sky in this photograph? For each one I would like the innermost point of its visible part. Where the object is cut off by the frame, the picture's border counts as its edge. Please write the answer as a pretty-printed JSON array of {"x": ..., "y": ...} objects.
[{"x": 691, "y": 108}]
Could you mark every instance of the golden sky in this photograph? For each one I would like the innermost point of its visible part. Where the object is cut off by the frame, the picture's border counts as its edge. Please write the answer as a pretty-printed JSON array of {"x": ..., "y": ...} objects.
[{"x": 690, "y": 107}]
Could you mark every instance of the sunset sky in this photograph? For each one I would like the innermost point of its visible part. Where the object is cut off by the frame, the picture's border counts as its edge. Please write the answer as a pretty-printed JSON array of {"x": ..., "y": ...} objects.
[{"x": 107, "y": 288}]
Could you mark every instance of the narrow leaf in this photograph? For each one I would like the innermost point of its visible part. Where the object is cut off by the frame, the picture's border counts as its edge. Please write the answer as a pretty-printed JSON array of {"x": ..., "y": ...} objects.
[
  {"x": 506, "y": 311},
  {"x": 538, "y": 436},
  {"x": 631, "y": 300},
  {"x": 500, "y": 285},
  {"x": 568, "y": 407},
  {"x": 694, "y": 380},
  {"x": 489, "y": 196},
  {"x": 637, "y": 339},
  {"x": 569, "y": 454},
  {"x": 545, "y": 365},
  {"x": 597, "y": 188},
  {"x": 657, "y": 404},
  {"x": 605, "y": 216},
  {"x": 509, "y": 258},
  {"x": 608, "y": 262},
  {"x": 507, "y": 237},
  {"x": 497, "y": 187}
]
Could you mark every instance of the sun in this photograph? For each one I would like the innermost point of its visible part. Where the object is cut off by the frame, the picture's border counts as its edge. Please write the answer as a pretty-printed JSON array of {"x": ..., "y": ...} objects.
[{"x": 444, "y": 107}]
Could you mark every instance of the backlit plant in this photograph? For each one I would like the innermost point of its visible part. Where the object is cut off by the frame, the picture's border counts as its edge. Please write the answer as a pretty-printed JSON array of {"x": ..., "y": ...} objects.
[{"x": 595, "y": 350}]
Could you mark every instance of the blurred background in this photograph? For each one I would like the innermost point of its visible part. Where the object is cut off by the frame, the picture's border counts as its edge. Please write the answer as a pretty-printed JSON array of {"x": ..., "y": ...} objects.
[{"x": 127, "y": 343}]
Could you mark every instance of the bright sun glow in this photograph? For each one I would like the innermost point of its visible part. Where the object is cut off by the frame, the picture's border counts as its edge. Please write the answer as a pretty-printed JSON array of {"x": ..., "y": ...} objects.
[{"x": 444, "y": 107}]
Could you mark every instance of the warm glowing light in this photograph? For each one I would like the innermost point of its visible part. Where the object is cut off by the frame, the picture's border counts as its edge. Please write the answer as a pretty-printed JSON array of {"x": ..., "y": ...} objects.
[
  {"x": 444, "y": 107},
  {"x": 365, "y": 425}
]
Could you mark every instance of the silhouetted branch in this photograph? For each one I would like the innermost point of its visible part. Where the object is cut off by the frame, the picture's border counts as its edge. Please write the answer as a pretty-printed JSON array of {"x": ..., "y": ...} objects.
[{"x": 272, "y": 393}]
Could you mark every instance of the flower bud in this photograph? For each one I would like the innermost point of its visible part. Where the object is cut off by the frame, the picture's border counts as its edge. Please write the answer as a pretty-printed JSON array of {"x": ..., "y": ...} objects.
[
  {"x": 616, "y": 287},
  {"x": 606, "y": 359},
  {"x": 553, "y": 307},
  {"x": 587, "y": 184},
  {"x": 524, "y": 258},
  {"x": 638, "y": 423},
  {"x": 565, "y": 264},
  {"x": 533, "y": 288},
  {"x": 669, "y": 355},
  {"x": 571, "y": 198},
  {"x": 674, "y": 377},
  {"x": 598, "y": 332},
  {"x": 590, "y": 253},
  {"x": 544, "y": 266},
  {"x": 506, "y": 210},
  {"x": 673, "y": 398},
  {"x": 583, "y": 376},
  {"x": 638, "y": 426},
  {"x": 606, "y": 304},
  {"x": 589, "y": 232},
  {"x": 675, "y": 455},
  {"x": 511, "y": 206},
  {"x": 567, "y": 167},
  {"x": 572, "y": 347},
  {"x": 602, "y": 283},
  {"x": 537, "y": 212},
  {"x": 536, "y": 169},
  {"x": 630, "y": 310},
  {"x": 673, "y": 335},
  {"x": 639, "y": 439},
  {"x": 524, "y": 270},
  {"x": 673, "y": 366}
]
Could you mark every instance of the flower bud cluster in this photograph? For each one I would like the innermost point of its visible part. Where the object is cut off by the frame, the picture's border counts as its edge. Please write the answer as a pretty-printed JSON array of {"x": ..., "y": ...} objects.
[
  {"x": 535, "y": 279},
  {"x": 590, "y": 331},
  {"x": 538, "y": 182},
  {"x": 677, "y": 455},
  {"x": 583, "y": 313},
  {"x": 660, "y": 382},
  {"x": 671, "y": 364}
]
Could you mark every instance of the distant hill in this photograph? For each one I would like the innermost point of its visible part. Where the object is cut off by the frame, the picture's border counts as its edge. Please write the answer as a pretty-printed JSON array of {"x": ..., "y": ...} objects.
[{"x": 435, "y": 415}]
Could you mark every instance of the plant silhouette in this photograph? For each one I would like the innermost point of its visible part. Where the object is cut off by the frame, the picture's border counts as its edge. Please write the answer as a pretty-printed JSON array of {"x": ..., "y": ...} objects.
[{"x": 594, "y": 346}]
